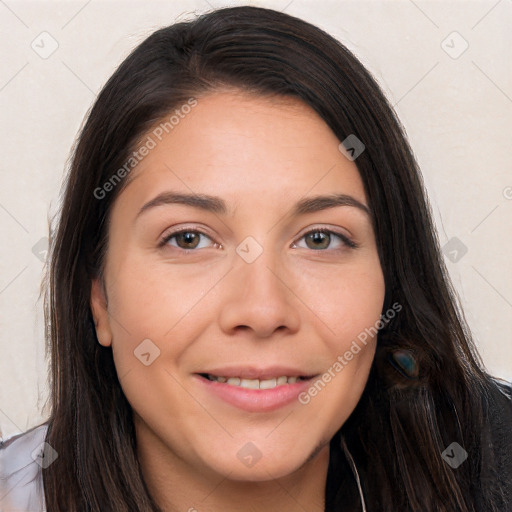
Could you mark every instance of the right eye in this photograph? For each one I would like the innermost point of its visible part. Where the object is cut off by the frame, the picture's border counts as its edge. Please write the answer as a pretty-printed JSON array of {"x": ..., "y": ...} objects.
[{"x": 185, "y": 239}]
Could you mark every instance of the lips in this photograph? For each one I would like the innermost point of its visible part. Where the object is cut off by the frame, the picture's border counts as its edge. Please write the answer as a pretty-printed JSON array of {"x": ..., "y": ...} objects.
[{"x": 255, "y": 389}]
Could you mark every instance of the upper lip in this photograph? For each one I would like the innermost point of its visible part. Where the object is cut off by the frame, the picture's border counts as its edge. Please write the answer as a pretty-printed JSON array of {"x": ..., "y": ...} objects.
[{"x": 257, "y": 372}]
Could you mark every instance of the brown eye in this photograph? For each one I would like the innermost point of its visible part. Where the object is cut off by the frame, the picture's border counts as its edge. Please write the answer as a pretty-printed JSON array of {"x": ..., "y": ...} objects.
[
  {"x": 318, "y": 240},
  {"x": 187, "y": 239},
  {"x": 322, "y": 239}
]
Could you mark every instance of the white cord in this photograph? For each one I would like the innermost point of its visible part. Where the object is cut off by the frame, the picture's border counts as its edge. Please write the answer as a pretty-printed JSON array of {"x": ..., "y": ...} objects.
[{"x": 356, "y": 474}]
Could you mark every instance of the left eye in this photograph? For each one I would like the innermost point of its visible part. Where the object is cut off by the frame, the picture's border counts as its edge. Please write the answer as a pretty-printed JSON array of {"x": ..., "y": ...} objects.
[{"x": 319, "y": 239}]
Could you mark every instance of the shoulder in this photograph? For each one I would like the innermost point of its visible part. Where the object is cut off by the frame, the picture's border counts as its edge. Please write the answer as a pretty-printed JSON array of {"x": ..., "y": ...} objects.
[
  {"x": 22, "y": 458},
  {"x": 499, "y": 411},
  {"x": 506, "y": 388},
  {"x": 497, "y": 440},
  {"x": 499, "y": 403}
]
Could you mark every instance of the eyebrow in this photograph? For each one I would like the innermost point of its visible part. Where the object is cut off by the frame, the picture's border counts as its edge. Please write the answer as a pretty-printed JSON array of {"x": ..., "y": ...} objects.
[{"x": 217, "y": 205}]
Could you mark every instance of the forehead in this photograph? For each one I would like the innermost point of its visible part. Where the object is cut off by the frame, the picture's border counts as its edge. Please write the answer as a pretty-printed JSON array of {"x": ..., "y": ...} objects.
[{"x": 244, "y": 147}]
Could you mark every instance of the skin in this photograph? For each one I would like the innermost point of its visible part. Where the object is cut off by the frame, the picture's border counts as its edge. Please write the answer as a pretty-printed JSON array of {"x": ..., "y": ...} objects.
[{"x": 296, "y": 304}]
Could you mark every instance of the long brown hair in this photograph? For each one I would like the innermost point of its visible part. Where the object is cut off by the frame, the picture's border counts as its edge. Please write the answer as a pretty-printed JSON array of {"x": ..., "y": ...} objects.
[{"x": 404, "y": 420}]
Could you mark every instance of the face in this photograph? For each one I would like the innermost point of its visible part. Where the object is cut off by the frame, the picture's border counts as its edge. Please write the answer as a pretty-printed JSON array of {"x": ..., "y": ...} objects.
[{"x": 234, "y": 302}]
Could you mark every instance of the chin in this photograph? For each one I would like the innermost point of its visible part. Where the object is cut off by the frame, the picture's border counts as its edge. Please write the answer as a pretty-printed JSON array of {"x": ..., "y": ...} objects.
[
  {"x": 250, "y": 465},
  {"x": 261, "y": 472}
]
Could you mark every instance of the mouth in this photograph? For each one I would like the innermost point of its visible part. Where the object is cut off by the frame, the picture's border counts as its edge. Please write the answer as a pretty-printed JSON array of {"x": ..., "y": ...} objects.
[
  {"x": 254, "y": 390},
  {"x": 269, "y": 383}
]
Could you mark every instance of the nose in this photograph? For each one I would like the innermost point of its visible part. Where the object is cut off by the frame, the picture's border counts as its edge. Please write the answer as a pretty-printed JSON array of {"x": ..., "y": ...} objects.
[{"x": 259, "y": 297}]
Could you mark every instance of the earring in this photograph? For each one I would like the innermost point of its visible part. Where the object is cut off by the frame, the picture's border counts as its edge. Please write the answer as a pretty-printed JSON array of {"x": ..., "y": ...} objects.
[{"x": 405, "y": 363}]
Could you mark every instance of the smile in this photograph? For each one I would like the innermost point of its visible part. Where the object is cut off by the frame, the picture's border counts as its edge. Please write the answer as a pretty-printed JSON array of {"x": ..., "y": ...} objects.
[
  {"x": 264, "y": 394},
  {"x": 254, "y": 383}
]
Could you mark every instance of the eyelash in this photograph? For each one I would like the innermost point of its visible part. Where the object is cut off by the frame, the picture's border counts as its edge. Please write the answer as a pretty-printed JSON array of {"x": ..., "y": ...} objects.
[{"x": 345, "y": 240}]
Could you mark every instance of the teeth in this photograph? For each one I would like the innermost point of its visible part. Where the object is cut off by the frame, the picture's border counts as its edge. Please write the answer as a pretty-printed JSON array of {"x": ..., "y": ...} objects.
[
  {"x": 256, "y": 383},
  {"x": 250, "y": 383},
  {"x": 268, "y": 384}
]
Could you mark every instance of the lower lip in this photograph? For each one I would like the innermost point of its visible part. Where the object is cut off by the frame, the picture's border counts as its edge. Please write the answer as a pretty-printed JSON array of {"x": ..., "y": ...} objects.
[{"x": 256, "y": 400}]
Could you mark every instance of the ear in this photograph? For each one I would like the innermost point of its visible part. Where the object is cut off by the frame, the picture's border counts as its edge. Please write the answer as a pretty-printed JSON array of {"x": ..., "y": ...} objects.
[{"x": 100, "y": 313}]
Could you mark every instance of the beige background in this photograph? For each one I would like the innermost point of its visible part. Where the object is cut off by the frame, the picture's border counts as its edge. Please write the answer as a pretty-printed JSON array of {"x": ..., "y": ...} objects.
[{"x": 456, "y": 106}]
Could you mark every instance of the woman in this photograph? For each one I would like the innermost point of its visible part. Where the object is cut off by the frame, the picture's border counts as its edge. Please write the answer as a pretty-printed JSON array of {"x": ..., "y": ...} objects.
[{"x": 247, "y": 308}]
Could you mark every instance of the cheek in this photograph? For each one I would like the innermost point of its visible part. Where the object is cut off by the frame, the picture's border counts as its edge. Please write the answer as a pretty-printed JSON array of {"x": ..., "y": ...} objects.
[
  {"x": 347, "y": 301},
  {"x": 148, "y": 308},
  {"x": 157, "y": 309},
  {"x": 152, "y": 298},
  {"x": 350, "y": 307}
]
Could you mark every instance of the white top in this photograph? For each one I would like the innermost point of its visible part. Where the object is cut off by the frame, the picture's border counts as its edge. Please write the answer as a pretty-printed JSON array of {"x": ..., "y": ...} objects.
[{"x": 21, "y": 478}]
